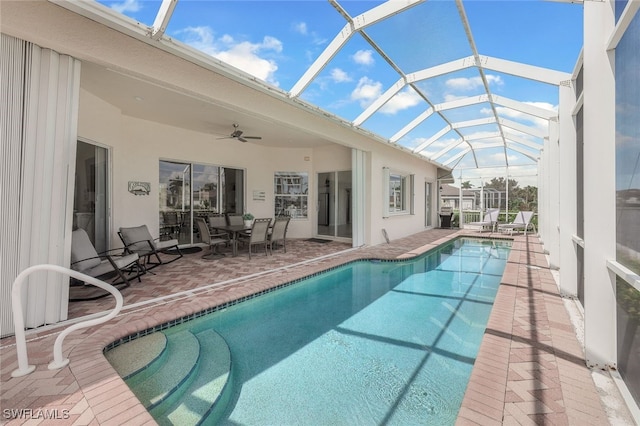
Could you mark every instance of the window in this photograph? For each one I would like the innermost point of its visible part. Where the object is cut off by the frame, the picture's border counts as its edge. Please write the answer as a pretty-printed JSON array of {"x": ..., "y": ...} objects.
[
  {"x": 291, "y": 191},
  {"x": 398, "y": 190}
]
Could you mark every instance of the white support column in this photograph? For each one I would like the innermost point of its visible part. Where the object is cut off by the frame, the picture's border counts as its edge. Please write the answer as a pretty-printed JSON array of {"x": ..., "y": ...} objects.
[
  {"x": 553, "y": 192},
  {"x": 506, "y": 193},
  {"x": 599, "y": 184},
  {"x": 460, "y": 201},
  {"x": 568, "y": 200},
  {"x": 359, "y": 181},
  {"x": 543, "y": 194}
]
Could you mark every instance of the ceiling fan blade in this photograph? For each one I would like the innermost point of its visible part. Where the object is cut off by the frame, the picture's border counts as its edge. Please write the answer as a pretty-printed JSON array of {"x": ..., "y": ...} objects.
[
  {"x": 252, "y": 137},
  {"x": 241, "y": 139}
]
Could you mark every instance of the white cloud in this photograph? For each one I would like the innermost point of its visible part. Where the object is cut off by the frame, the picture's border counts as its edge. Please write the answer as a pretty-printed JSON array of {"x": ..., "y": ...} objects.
[
  {"x": 300, "y": 28},
  {"x": 241, "y": 54},
  {"x": 466, "y": 84},
  {"x": 127, "y": 6},
  {"x": 482, "y": 135},
  {"x": 339, "y": 76},
  {"x": 366, "y": 91},
  {"x": 403, "y": 100},
  {"x": 523, "y": 174},
  {"x": 363, "y": 57},
  {"x": 626, "y": 140},
  {"x": 519, "y": 117},
  {"x": 436, "y": 146},
  {"x": 450, "y": 97}
]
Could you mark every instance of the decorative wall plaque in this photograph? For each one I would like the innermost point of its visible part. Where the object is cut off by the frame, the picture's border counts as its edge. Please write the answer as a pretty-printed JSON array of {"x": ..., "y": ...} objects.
[{"x": 139, "y": 188}]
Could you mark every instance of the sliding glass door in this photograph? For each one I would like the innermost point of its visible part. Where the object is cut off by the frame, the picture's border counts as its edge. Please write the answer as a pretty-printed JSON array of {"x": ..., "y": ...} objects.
[
  {"x": 190, "y": 190},
  {"x": 90, "y": 198},
  {"x": 334, "y": 204}
]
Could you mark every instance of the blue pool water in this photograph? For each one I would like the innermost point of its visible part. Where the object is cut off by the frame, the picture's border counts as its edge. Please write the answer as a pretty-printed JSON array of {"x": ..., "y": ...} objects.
[{"x": 368, "y": 343}]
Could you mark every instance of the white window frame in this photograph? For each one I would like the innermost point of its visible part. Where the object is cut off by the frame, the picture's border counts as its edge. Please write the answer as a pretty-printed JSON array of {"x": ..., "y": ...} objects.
[
  {"x": 397, "y": 201},
  {"x": 299, "y": 190}
]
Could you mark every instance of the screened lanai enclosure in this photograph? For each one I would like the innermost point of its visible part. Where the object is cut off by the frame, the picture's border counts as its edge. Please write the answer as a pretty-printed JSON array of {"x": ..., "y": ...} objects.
[{"x": 361, "y": 120}]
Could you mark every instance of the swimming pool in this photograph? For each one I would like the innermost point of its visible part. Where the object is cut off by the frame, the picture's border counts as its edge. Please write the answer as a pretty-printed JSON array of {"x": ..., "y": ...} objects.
[{"x": 371, "y": 342}]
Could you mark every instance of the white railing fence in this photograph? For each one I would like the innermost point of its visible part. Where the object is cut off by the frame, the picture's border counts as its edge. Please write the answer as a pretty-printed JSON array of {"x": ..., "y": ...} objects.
[{"x": 18, "y": 316}]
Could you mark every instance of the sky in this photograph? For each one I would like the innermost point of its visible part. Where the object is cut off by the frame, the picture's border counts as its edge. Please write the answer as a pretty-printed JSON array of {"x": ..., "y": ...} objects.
[{"x": 277, "y": 41}]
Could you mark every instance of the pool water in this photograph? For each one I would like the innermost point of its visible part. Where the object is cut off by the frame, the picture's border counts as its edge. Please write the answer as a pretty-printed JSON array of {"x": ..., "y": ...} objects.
[{"x": 369, "y": 343}]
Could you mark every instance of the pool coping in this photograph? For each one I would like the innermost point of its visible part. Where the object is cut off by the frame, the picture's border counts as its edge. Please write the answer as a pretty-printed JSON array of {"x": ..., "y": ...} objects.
[{"x": 92, "y": 392}]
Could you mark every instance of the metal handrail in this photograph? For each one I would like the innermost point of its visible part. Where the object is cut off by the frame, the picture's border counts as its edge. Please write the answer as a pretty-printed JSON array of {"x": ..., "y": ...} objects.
[{"x": 18, "y": 317}]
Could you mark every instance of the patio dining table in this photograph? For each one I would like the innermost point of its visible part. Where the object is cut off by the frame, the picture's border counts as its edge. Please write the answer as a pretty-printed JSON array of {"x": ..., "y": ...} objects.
[{"x": 233, "y": 231}]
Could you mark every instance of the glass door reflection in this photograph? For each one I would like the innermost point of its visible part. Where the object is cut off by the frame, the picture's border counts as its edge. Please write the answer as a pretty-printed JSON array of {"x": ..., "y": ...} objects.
[
  {"x": 334, "y": 204},
  {"x": 90, "y": 201}
]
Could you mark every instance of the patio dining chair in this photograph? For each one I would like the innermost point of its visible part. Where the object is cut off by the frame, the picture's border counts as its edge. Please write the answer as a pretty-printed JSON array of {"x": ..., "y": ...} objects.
[
  {"x": 211, "y": 240},
  {"x": 85, "y": 259},
  {"x": 138, "y": 240},
  {"x": 170, "y": 224},
  {"x": 216, "y": 221},
  {"x": 234, "y": 219},
  {"x": 279, "y": 233},
  {"x": 258, "y": 235}
]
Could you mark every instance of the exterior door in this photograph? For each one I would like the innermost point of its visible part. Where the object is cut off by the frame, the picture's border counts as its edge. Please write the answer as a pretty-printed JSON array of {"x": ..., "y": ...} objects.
[
  {"x": 334, "y": 205},
  {"x": 428, "y": 203},
  {"x": 90, "y": 198}
]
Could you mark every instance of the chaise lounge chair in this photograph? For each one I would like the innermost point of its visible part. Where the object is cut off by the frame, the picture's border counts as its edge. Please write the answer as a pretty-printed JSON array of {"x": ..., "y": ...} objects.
[
  {"x": 490, "y": 220},
  {"x": 138, "y": 240},
  {"x": 522, "y": 222}
]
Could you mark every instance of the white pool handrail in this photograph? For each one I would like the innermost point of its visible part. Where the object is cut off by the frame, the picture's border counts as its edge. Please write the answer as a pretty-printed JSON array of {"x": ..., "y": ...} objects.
[{"x": 18, "y": 318}]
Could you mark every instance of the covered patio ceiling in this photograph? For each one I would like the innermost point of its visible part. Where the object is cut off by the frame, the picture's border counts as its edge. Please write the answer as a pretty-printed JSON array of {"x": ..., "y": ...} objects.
[{"x": 467, "y": 85}]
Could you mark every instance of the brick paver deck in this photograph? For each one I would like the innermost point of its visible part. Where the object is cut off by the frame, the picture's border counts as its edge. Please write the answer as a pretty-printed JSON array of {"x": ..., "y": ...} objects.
[{"x": 530, "y": 368}]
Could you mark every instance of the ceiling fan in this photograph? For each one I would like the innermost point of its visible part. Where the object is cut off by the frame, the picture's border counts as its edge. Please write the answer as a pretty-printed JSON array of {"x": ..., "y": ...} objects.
[{"x": 237, "y": 134}]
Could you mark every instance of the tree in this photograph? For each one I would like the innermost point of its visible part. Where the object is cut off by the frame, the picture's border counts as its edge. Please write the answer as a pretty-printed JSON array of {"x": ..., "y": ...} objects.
[
  {"x": 519, "y": 198},
  {"x": 500, "y": 185},
  {"x": 466, "y": 185},
  {"x": 525, "y": 198}
]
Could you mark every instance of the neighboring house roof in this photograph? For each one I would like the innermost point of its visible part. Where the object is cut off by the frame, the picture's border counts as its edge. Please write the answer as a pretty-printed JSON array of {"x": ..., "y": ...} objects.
[{"x": 452, "y": 191}]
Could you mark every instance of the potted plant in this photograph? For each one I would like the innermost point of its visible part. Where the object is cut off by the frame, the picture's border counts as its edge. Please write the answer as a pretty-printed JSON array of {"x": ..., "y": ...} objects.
[{"x": 248, "y": 218}]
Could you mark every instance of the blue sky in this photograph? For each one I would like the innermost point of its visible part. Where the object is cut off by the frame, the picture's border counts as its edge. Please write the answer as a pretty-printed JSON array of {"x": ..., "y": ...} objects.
[{"x": 277, "y": 41}]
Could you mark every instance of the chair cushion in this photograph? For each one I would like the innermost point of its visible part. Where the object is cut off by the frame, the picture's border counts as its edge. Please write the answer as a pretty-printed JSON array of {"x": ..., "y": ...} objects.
[
  {"x": 161, "y": 245},
  {"x": 102, "y": 268},
  {"x": 83, "y": 254},
  {"x": 136, "y": 238},
  {"x": 124, "y": 261}
]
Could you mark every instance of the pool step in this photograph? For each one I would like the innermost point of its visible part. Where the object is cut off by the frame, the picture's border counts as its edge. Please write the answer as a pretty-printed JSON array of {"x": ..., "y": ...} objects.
[
  {"x": 208, "y": 390},
  {"x": 139, "y": 358},
  {"x": 173, "y": 376},
  {"x": 181, "y": 378}
]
